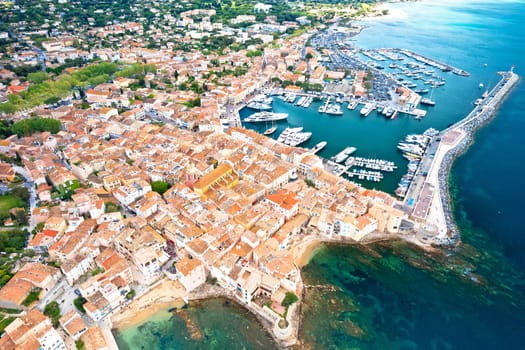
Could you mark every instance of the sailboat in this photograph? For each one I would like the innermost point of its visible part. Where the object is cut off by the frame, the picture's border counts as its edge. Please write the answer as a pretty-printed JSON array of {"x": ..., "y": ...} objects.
[
  {"x": 429, "y": 101},
  {"x": 270, "y": 130}
]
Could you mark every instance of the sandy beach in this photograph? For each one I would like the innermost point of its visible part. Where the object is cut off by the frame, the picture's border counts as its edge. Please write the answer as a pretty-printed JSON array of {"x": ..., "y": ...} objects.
[
  {"x": 393, "y": 13},
  {"x": 305, "y": 250},
  {"x": 165, "y": 295}
]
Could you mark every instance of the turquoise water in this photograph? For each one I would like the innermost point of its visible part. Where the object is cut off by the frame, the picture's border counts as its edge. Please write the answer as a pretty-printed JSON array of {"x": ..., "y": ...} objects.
[
  {"x": 209, "y": 324},
  {"x": 472, "y": 298},
  {"x": 393, "y": 296}
]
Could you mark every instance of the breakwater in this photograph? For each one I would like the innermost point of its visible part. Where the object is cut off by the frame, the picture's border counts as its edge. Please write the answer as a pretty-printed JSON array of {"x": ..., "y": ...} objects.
[{"x": 467, "y": 127}]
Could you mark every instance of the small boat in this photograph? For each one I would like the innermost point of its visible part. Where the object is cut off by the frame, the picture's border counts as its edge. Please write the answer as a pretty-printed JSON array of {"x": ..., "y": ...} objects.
[
  {"x": 481, "y": 85},
  {"x": 270, "y": 130},
  {"x": 394, "y": 115},
  {"x": 319, "y": 146}
]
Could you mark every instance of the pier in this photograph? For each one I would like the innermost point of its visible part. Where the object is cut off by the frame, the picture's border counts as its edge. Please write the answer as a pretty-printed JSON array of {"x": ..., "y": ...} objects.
[
  {"x": 362, "y": 174},
  {"x": 372, "y": 163},
  {"x": 428, "y": 195},
  {"x": 431, "y": 62}
]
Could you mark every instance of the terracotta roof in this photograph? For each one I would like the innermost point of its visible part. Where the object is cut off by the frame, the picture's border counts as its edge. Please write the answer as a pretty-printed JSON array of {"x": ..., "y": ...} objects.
[
  {"x": 286, "y": 200},
  {"x": 186, "y": 265}
]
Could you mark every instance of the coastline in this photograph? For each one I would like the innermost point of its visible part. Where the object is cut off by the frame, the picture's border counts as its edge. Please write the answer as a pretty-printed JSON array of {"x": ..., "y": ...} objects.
[
  {"x": 307, "y": 250},
  {"x": 162, "y": 296}
]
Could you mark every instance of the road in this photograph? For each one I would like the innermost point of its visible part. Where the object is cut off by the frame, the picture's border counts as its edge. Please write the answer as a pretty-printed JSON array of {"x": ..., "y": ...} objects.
[{"x": 30, "y": 185}]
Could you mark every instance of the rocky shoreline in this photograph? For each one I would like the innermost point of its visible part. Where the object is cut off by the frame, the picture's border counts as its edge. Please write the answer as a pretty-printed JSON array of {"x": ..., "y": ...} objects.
[{"x": 470, "y": 125}]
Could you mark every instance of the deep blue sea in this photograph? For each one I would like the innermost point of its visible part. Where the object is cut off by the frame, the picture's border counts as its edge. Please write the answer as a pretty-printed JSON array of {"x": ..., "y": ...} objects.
[{"x": 392, "y": 295}]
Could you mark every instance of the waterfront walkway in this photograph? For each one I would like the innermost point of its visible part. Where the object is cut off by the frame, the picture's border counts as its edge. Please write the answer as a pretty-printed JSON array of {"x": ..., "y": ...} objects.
[{"x": 432, "y": 201}]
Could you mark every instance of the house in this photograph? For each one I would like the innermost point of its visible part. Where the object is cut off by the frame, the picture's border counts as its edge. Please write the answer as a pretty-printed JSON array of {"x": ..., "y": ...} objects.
[
  {"x": 76, "y": 267},
  {"x": 260, "y": 7},
  {"x": 190, "y": 272},
  {"x": 127, "y": 194},
  {"x": 284, "y": 202},
  {"x": 34, "y": 331},
  {"x": 97, "y": 307},
  {"x": 41, "y": 242},
  {"x": 7, "y": 174},
  {"x": 97, "y": 97},
  {"x": 73, "y": 324},
  {"x": 30, "y": 277},
  {"x": 222, "y": 175},
  {"x": 94, "y": 339},
  {"x": 145, "y": 248}
]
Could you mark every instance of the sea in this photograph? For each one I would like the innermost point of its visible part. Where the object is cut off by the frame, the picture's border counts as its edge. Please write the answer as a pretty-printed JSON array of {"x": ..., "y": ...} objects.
[{"x": 392, "y": 295}]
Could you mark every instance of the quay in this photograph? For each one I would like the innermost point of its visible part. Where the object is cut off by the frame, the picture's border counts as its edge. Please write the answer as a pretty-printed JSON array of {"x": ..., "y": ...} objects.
[
  {"x": 431, "y": 62},
  {"x": 428, "y": 195}
]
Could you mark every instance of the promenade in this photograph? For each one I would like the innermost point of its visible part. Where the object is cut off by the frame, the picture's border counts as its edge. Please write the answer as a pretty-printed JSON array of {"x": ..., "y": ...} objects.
[{"x": 431, "y": 192}]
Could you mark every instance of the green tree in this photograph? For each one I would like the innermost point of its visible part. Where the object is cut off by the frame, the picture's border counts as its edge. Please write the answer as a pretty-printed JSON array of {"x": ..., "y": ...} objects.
[
  {"x": 52, "y": 100},
  {"x": 112, "y": 207},
  {"x": 29, "y": 126},
  {"x": 37, "y": 77},
  {"x": 31, "y": 297},
  {"x": 79, "y": 344},
  {"x": 160, "y": 186},
  {"x": 131, "y": 294},
  {"x": 52, "y": 310},
  {"x": 289, "y": 299},
  {"x": 79, "y": 304}
]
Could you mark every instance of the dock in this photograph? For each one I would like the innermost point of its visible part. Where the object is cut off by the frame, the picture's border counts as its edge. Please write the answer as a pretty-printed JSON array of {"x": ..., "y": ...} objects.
[
  {"x": 372, "y": 163},
  {"x": 428, "y": 194},
  {"x": 362, "y": 174},
  {"x": 322, "y": 109},
  {"x": 334, "y": 168},
  {"x": 431, "y": 62}
]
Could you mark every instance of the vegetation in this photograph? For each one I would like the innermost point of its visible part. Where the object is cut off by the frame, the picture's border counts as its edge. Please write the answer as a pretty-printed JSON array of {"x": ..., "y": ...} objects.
[
  {"x": 211, "y": 280},
  {"x": 32, "y": 297},
  {"x": 289, "y": 299},
  {"x": 9, "y": 201},
  {"x": 38, "y": 93},
  {"x": 29, "y": 126},
  {"x": 193, "y": 103},
  {"x": 131, "y": 294},
  {"x": 97, "y": 271},
  {"x": 160, "y": 186},
  {"x": 9, "y": 311},
  {"x": 37, "y": 77},
  {"x": 309, "y": 183},
  {"x": 4, "y": 322},
  {"x": 79, "y": 304},
  {"x": 5, "y": 129},
  {"x": 79, "y": 344},
  {"x": 52, "y": 310},
  {"x": 112, "y": 207},
  {"x": 12, "y": 241},
  {"x": 65, "y": 191}
]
